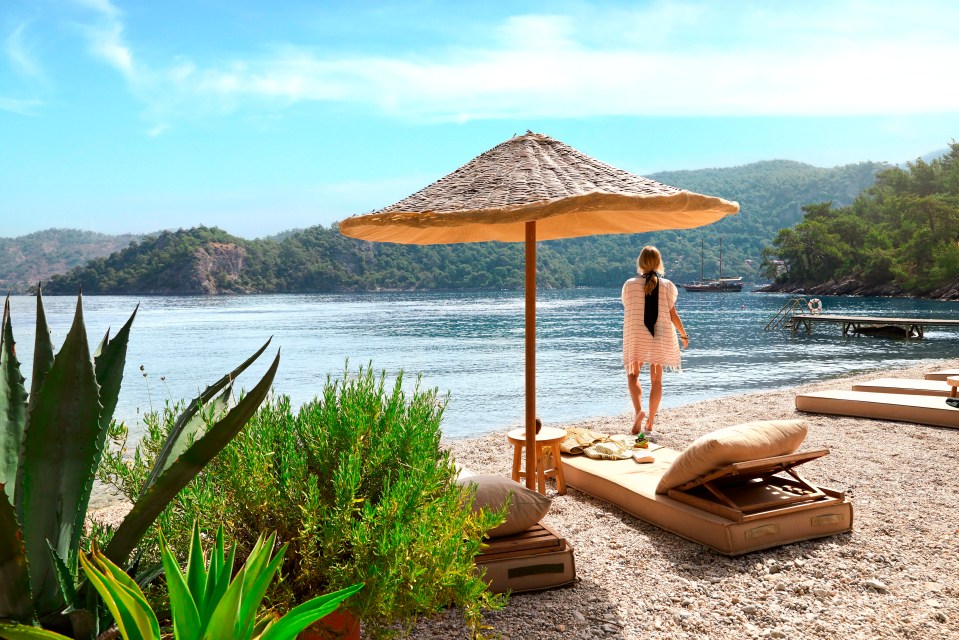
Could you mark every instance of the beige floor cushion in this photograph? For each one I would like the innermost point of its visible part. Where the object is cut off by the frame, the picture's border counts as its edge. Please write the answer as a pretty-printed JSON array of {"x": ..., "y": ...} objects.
[{"x": 526, "y": 507}]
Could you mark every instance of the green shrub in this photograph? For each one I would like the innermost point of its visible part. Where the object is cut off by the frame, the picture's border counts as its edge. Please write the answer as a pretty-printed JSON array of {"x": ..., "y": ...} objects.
[{"x": 357, "y": 483}]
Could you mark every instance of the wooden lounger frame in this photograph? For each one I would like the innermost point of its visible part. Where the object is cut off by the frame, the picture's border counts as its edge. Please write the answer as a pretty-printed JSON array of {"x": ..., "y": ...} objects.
[{"x": 746, "y": 491}]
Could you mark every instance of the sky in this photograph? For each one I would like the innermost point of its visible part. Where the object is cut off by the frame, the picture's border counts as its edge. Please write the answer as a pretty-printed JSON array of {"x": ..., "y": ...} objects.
[{"x": 123, "y": 116}]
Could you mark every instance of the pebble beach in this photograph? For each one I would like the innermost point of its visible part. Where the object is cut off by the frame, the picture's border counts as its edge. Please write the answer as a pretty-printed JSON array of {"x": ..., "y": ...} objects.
[{"x": 895, "y": 576}]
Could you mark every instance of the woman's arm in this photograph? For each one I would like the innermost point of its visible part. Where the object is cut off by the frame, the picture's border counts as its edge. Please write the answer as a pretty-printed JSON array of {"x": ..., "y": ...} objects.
[{"x": 674, "y": 317}]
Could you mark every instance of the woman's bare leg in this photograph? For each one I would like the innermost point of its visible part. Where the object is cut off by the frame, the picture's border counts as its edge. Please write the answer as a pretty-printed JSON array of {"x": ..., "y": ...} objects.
[
  {"x": 655, "y": 392},
  {"x": 636, "y": 395}
]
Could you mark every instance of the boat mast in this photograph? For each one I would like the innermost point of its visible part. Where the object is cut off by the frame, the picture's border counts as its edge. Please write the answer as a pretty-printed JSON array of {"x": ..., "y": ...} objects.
[
  {"x": 720, "y": 257},
  {"x": 702, "y": 260}
]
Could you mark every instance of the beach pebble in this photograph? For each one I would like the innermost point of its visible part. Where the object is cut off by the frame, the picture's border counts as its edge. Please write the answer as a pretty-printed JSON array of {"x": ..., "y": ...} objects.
[{"x": 876, "y": 585}]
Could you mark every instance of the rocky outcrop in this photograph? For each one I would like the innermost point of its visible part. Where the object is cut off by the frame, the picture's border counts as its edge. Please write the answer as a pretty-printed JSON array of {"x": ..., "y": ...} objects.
[
  {"x": 218, "y": 268},
  {"x": 846, "y": 287},
  {"x": 948, "y": 292},
  {"x": 853, "y": 287},
  {"x": 212, "y": 268}
]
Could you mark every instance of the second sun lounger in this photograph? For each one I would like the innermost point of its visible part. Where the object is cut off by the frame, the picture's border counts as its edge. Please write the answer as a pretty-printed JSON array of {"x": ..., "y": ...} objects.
[
  {"x": 881, "y": 406},
  {"x": 907, "y": 386},
  {"x": 734, "y": 509},
  {"x": 942, "y": 375}
]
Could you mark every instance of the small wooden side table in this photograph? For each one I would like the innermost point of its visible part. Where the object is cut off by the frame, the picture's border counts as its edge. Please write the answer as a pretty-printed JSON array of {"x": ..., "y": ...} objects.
[
  {"x": 953, "y": 382},
  {"x": 547, "y": 437}
]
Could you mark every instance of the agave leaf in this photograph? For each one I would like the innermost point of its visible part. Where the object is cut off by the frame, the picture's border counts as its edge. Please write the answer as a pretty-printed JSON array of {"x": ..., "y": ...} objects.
[
  {"x": 14, "y": 631},
  {"x": 59, "y": 456},
  {"x": 223, "y": 580},
  {"x": 149, "y": 575},
  {"x": 219, "y": 572},
  {"x": 257, "y": 584},
  {"x": 299, "y": 618},
  {"x": 108, "y": 360},
  {"x": 13, "y": 406},
  {"x": 186, "y": 617},
  {"x": 152, "y": 502},
  {"x": 129, "y": 607},
  {"x": 177, "y": 434},
  {"x": 223, "y": 621},
  {"x": 193, "y": 429},
  {"x": 65, "y": 579},
  {"x": 16, "y": 602},
  {"x": 42, "y": 349},
  {"x": 196, "y": 574}
]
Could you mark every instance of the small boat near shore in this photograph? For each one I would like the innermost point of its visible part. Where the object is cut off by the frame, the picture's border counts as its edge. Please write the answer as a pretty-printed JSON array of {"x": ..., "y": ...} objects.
[
  {"x": 722, "y": 285},
  {"x": 717, "y": 285}
]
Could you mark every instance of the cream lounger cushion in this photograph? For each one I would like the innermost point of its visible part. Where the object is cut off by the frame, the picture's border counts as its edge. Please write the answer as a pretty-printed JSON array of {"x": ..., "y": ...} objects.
[
  {"x": 525, "y": 509},
  {"x": 739, "y": 443}
]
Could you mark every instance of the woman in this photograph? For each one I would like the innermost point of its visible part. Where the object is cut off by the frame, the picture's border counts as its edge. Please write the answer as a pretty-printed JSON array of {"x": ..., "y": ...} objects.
[{"x": 649, "y": 336}]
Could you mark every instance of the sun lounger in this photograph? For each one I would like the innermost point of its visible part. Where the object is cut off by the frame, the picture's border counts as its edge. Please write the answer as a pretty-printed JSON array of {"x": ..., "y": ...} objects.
[
  {"x": 529, "y": 561},
  {"x": 900, "y": 407},
  {"x": 735, "y": 508},
  {"x": 942, "y": 375},
  {"x": 907, "y": 386}
]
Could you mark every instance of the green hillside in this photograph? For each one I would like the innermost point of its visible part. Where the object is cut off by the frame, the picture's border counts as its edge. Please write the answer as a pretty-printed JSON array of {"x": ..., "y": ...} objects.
[
  {"x": 28, "y": 259},
  {"x": 900, "y": 236},
  {"x": 319, "y": 259}
]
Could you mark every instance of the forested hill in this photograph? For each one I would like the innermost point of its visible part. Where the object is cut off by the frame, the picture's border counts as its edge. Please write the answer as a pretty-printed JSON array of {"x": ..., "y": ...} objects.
[
  {"x": 28, "y": 259},
  {"x": 318, "y": 259},
  {"x": 899, "y": 237}
]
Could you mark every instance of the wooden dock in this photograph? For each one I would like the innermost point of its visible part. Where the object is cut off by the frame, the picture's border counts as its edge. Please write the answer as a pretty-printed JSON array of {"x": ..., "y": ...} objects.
[{"x": 896, "y": 327}]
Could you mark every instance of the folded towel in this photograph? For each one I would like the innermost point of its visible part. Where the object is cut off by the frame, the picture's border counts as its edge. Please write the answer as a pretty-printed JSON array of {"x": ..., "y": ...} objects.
[{"x": 577, "y": 439}]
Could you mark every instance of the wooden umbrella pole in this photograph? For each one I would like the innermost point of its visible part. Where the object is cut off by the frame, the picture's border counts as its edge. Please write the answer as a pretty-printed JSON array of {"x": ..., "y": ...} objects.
[{"x": 531, "y": 355}]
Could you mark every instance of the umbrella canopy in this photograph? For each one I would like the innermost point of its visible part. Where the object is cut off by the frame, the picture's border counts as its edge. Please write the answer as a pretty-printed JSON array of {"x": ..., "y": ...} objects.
[
  {"x": 531, "y": 188},
  {"x": 535, "y": 178}
]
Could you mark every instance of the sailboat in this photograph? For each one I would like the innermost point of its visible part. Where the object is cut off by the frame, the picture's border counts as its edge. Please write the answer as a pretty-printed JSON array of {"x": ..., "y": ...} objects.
[{"x": 721, "y": 284}]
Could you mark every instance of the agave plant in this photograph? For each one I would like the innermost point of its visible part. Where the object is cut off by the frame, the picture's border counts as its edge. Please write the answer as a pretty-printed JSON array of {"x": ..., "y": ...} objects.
[
  {"x": 205, "y": 603},
  {"x": 51, "y": 442}
]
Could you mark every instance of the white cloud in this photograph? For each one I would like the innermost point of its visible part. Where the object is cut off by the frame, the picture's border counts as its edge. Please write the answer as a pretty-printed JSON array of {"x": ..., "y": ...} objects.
[
  {"x": 106, "y": 37},
  {"x": 668, "y": 58},
  {"x": 20, "y": 107},
  {"x": 20, "y": 55},
  {"x": 157, "y": 131}
]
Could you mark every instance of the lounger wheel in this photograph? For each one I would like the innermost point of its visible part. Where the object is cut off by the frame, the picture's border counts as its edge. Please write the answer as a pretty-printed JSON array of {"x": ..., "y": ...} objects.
[{"x": 548, "y": 438}]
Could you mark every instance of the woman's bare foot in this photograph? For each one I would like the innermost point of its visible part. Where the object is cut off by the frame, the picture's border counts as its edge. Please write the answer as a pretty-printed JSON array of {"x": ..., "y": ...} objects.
[
  {"x": 638, "y": 422},
  {"x": 649, "y": 424}
]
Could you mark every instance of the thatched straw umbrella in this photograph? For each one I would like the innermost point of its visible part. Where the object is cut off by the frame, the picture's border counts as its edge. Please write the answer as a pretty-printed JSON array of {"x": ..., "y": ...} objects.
[{"x": 531, "y": 188}]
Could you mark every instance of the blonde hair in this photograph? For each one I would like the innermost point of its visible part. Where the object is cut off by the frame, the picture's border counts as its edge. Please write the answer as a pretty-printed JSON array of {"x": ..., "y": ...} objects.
[{"x": 650, "y": 261}]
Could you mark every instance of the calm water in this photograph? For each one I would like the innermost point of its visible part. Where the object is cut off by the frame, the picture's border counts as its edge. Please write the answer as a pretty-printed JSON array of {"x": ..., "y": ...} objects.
[{"x": 471, "y": 344}]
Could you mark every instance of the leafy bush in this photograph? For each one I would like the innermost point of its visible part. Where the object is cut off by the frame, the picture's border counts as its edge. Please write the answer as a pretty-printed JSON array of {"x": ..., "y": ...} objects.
[{"x": 358, "y": 484}]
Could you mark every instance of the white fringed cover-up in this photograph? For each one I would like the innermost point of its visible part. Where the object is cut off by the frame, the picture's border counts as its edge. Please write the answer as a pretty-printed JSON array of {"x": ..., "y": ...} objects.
[{"x": 639, "y": 346}]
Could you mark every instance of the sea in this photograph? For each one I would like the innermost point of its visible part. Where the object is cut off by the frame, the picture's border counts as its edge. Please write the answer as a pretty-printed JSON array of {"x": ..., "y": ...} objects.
[{"x": 470, "y": 346}]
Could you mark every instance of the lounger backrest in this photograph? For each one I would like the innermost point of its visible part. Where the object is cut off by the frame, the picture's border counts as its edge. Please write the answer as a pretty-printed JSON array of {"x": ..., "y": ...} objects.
[{"x": 739, "y": 443}]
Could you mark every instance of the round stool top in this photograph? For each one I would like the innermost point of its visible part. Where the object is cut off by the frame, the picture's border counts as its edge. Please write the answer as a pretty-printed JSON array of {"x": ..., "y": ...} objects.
[
  {"x": 952, "y": 380},
  {"x": 546, "y": 435}
]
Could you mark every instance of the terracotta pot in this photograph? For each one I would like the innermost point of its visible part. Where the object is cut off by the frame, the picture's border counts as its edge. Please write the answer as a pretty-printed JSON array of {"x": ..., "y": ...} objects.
[{"x": 339, "y": 625}]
